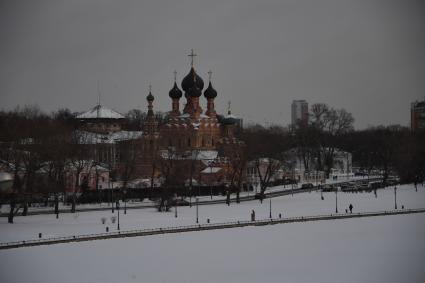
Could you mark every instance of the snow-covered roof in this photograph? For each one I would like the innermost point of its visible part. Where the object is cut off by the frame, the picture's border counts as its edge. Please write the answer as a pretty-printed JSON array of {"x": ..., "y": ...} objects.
[
  {"x": 86, "y": 164},
  {"x": 294, "y": 150},
  {"x": 231, "y": 116},
  {"x": 190, "y": 155},
  {"x": 205, "y": 154},
  {"x": 100, "y": 112},
  {"x": 211, "y": 170},
  {"x": 186, "y": 115},
  {"x": 4, "y": 176},
  {"x": 95, "y": 138}
]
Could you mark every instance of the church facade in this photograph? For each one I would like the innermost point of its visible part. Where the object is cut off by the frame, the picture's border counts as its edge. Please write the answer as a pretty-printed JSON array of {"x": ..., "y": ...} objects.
[{"x": 190, "y": 145}]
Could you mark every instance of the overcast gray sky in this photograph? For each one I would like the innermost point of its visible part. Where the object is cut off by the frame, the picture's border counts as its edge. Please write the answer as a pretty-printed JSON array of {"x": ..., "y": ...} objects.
[{"x": 367, "y": 56}]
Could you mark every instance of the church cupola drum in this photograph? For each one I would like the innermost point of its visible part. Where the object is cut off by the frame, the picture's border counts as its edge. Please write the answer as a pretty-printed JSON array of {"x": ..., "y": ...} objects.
[
  {"x": 150, "y": 126},
  {"x": 175, "y": 94},
  {"x": 210, "y": 94}
]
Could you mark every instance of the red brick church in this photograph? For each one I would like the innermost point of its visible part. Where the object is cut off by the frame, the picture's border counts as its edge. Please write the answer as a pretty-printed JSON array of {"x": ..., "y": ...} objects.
[{"x": 192, "y": 144}]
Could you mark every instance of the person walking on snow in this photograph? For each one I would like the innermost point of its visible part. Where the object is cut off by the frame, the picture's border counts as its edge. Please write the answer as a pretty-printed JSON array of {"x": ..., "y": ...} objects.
[{"x": 351, "y": 208}]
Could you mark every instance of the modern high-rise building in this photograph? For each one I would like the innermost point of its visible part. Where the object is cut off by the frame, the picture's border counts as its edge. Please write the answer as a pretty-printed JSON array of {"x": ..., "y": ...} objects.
[
  {"x": 299, "y": 113},
  {"x": 417, "y": 115}
]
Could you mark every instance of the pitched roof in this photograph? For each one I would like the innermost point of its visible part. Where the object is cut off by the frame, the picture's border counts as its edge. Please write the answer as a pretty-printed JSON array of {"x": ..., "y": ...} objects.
[
  {"x": 100, "y": 112},
  {"x": 85, "y": 137}
]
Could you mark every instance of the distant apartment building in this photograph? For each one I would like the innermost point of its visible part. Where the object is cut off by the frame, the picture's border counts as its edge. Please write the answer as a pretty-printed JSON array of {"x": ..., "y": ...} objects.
[
  {"x": 299, "y": 112},
  {"x": 417, "y": 115}
]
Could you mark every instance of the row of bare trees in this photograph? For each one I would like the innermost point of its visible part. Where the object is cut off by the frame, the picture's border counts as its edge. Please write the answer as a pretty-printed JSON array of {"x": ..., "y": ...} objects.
[
  {"x": 31, "y": 141},
  {"x": 390, "y": 149},
  {"x": 42, "y": 151},
  {"x": 28, "y": 139}
]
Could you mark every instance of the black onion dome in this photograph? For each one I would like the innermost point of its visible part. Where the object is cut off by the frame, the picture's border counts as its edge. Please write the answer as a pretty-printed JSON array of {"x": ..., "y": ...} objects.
[
  {"x": 195, "y": 91},
  {"x": 150, "y": 97},
  {"x": 228, "y": 121},
  {"x": 210, "y": 92},
  {"x": 191, "y": 79},
  {"x": 175, "y": 92}
]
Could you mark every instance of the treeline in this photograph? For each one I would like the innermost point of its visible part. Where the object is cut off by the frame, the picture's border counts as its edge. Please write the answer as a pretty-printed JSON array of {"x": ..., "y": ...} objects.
[
  {"x": 41, "y": 151},
  {"x": 392, "y": 149},
  {"x": 31, "y": 140}
]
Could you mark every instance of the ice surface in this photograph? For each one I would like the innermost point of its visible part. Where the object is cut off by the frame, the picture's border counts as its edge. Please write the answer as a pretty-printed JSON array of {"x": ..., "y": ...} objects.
[{"x": 377, "y": 249}]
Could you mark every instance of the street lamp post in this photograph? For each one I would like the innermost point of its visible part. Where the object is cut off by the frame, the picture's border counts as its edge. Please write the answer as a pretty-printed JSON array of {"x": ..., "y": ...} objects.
[
  {"x": 395, "y": 197},
  {"x": 336, "y": 200},
  {"x": 190, "y": 195},
  {"x": 210, "y": 190},
  {"x": 175, "y": 205},
  {"x": 118, "y": 210},
  {"x": 270, "y": 208},
  {"x": 293, "y": 177},
  {"x": 197, "y": 219},
  {"x": 210, "y": 181},
  {"x": 125, "y": 201},
  {"x": 112, "y": 198}
]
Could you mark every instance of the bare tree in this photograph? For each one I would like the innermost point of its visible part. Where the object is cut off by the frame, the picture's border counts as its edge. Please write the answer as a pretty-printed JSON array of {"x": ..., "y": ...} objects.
[
  {"x": 130, "y": 152},
  {"x": 237, "y": 159},
  {"x": 306, "y": 143},
  {"x": 80, "y": 159},
  {"x": 14, "y": 162},
  {"x": 167, "y": 163},
  {"x": 331, "y": 124},
  {"x": 271, "y": 167}
]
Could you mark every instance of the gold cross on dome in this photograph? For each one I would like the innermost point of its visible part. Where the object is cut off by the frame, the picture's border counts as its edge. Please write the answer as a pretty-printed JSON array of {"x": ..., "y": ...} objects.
[
  {"x": 192, "y": 55},
  {"x": 175, "y": 75},
  {"x": 209, "y": 74},
  {"x": 150, "y": 88}
]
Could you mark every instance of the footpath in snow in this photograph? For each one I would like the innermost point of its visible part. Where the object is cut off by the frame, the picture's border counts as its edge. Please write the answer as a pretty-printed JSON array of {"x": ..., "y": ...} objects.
[
  {"x": 29, "y": 227},
  {"x": 146, "y": 203}
]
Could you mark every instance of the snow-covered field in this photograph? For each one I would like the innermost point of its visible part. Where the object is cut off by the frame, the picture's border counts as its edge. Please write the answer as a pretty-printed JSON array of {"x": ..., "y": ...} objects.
[
  {"x": 26, "y": 228},
  {"x": 376, "y": 249}
]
